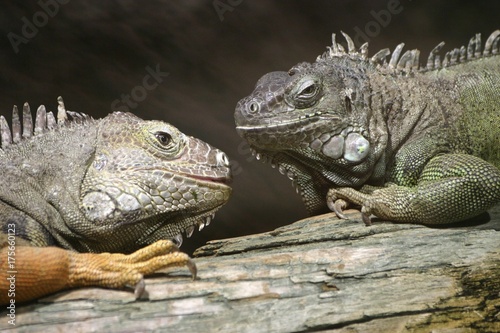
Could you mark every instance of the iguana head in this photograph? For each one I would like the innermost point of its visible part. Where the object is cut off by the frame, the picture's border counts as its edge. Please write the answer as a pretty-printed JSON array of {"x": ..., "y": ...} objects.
[
  {"x": 112, "y": 184},
  {"x": 147, "y": 175},
  {"x": 312, "y": 108},
  {"x": 316, "y": 118}
]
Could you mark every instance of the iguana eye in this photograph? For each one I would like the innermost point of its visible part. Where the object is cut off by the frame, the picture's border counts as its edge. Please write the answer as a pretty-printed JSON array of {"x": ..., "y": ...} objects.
[
  {"x": 163, "y": 138},
  {"x": 306, "y": 93}
]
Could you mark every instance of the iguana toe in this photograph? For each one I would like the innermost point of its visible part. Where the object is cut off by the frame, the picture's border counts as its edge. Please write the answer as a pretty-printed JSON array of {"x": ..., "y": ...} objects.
[
  {"x": 365, "y": 216},
  {"x": 338, "y": 200},
  {"x": 336, "y": 205}
]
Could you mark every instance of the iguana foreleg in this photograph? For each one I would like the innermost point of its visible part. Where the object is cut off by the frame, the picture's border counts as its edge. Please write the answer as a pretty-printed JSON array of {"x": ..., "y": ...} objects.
[
  {"x": 41, "y": 271},
  {"x": 451, "y": 188}
]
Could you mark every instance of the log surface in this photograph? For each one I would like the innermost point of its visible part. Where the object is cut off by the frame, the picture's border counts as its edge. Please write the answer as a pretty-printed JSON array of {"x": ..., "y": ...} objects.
[{"x": 317, "y": 274}]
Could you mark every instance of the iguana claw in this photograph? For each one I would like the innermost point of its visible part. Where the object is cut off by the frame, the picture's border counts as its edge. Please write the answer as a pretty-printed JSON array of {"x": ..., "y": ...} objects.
[
  {"x": 192, "y": 268},
  {"x": 337, "y": 206},
  {"x": 365, "y": 216},
  {"x": 139, "y": 288}
]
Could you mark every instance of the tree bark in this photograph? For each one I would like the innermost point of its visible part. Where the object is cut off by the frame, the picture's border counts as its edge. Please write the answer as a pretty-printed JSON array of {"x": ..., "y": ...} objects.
[{"x": 320, "y": 273}]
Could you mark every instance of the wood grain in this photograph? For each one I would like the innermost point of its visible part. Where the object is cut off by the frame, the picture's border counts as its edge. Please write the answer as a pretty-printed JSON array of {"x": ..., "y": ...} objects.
[{"x": 317, "y": 274}]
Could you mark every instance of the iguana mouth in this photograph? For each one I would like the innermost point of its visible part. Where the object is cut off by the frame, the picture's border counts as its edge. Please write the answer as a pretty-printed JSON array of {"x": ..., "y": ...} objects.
[
  {"x": 222, "y": 161},
  {"x": 300, "y": 122},
  {"x": 226, "y": 179},
  {"x": 219, "y": 180}
]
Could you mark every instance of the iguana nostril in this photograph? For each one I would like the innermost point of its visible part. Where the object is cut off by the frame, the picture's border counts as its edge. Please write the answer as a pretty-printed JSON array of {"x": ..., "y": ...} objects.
[{"x": 222, "y": 160}]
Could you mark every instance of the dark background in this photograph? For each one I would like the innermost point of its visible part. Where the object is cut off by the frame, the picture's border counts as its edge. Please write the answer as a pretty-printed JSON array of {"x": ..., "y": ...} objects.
[{"x": 92, "y": 52}]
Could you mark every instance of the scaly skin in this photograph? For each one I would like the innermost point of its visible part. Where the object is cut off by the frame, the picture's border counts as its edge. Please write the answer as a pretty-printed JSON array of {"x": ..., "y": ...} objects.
[
  {"x": 407, "y": 144},
  {"x": 119, "y": 184}
]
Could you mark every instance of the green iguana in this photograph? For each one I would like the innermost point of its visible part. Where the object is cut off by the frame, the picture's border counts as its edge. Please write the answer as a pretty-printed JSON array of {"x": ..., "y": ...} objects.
[
  {"x": 118, "y": 184},
  {"x": 404, "y": 142}
]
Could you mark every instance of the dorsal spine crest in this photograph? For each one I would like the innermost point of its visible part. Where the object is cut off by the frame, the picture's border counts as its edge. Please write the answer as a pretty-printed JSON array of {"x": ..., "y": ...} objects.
[
  {"x": 44, "y": 121},
  {"x": 409, "y": 61}
]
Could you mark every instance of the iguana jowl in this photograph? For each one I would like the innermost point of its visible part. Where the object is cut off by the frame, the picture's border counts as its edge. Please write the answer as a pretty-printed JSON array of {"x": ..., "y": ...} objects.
[
  {"x": 406, "y": 143},
  {"x": 118, "y": 184}
]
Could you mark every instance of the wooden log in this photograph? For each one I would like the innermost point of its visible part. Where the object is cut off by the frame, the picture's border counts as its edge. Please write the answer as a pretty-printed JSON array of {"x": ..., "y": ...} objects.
[{"x": 317, "y": 274}]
